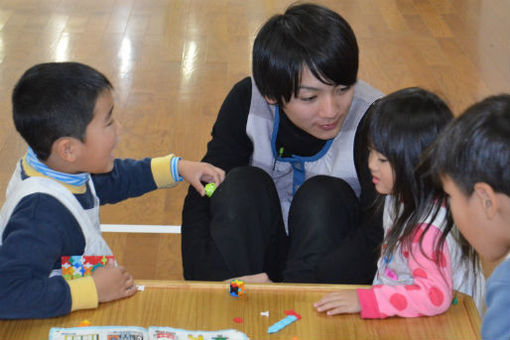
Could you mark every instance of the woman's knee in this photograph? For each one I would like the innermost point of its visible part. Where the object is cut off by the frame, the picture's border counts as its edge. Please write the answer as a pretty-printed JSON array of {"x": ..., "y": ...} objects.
[
  {"x": 324, "y": 205},
  {"x": 246, "y": 178},
  {"x": 325, "y": 191},
  {"x": 243, "y": 187}
]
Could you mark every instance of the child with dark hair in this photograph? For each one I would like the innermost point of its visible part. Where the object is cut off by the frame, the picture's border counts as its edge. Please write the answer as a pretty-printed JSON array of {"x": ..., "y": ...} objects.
[
  {"x": 472, "y": 158},
  {"x": 64, "y": 111},
  {"x": 291, "y": 206},
  {"x": 421, "y": 262}
]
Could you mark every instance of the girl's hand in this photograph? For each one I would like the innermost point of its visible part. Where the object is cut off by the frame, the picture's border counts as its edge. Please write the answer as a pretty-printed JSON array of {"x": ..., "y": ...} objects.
[
  {"x": 340, "y": 302},
  {"x": 196, "y": 172},
  {"x": 113, "y": 283}
]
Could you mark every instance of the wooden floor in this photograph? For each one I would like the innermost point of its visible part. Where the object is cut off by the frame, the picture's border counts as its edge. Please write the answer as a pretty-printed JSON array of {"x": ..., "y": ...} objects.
[{"x": 173, "y": 61}]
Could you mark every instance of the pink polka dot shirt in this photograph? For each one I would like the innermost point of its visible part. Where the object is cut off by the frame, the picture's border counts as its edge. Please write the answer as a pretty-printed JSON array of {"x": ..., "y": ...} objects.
[{"x": 417, "y": 281}]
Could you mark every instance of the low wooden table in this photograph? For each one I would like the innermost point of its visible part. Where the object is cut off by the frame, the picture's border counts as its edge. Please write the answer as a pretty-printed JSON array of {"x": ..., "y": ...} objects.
[{"x": 208, "y": 306}]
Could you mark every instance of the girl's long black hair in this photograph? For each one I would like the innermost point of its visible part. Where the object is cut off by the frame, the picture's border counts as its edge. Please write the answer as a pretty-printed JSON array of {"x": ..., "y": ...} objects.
[{"x": 402, "y": 126}]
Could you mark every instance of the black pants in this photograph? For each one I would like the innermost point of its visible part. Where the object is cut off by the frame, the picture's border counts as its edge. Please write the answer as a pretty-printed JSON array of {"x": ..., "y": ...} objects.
[{"x": 325, "y": 243}]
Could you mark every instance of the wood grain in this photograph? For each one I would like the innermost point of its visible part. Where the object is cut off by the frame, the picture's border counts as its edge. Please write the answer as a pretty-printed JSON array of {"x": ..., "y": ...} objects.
[{"x": 208, "y": 306}]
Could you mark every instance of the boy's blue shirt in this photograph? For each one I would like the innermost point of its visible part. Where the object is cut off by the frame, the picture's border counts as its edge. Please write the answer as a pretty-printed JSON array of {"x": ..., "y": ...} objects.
[
  {"x": 496, "y": 322},
  {"x": 41, "y": 230}
]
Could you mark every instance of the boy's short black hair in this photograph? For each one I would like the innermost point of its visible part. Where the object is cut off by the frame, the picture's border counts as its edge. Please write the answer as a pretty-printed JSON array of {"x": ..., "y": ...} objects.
[
  {"x": 305, "y": 35},
  {"x": 475, "y": 147},
  {"x": 54, "y": 100}
]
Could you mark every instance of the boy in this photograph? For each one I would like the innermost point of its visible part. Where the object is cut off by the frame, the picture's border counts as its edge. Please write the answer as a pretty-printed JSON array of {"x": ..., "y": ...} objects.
[
  {"x": 64, "y": 113},
  {"x": 472, "y": 158},
  {"x": 292, "y": 206}
]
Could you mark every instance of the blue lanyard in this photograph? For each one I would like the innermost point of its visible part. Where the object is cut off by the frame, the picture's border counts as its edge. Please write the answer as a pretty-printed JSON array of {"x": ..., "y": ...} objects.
[{"x": 297, "y": 162}]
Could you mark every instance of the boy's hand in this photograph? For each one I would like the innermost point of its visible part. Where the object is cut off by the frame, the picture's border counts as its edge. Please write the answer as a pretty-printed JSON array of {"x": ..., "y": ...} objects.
[
  {"x": 113, "y": 282},
  {"x": 342, "y": 301},
  {"x": 196, "y": 172}
]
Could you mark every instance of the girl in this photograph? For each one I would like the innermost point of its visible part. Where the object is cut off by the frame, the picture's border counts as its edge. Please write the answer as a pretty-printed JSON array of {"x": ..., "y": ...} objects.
[{"x": 421, "y": 262}]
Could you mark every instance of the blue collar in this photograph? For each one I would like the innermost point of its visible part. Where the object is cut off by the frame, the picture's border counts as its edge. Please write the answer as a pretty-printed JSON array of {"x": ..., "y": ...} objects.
[
  {"x": 72, "y": 179},
  {"x": 293, "y": 158}
]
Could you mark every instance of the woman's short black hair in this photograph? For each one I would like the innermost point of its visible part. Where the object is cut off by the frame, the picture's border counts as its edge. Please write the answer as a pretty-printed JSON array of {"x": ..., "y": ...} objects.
[
  {"x": 305, "y": 35},
  {"x": 475, "y": 147},
  {"x": 54, "y": 100}
]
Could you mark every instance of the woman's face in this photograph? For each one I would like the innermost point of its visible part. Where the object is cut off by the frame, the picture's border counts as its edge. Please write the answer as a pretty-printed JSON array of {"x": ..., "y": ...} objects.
[{"x": 319, "y": 109}]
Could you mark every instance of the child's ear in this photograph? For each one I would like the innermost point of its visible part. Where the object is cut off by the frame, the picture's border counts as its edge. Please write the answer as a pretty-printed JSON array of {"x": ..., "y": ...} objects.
[
  {"x": 66, "y": 148},
  {"x": 487, "y": 198},
  {"x": 270, "y": 101}
]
